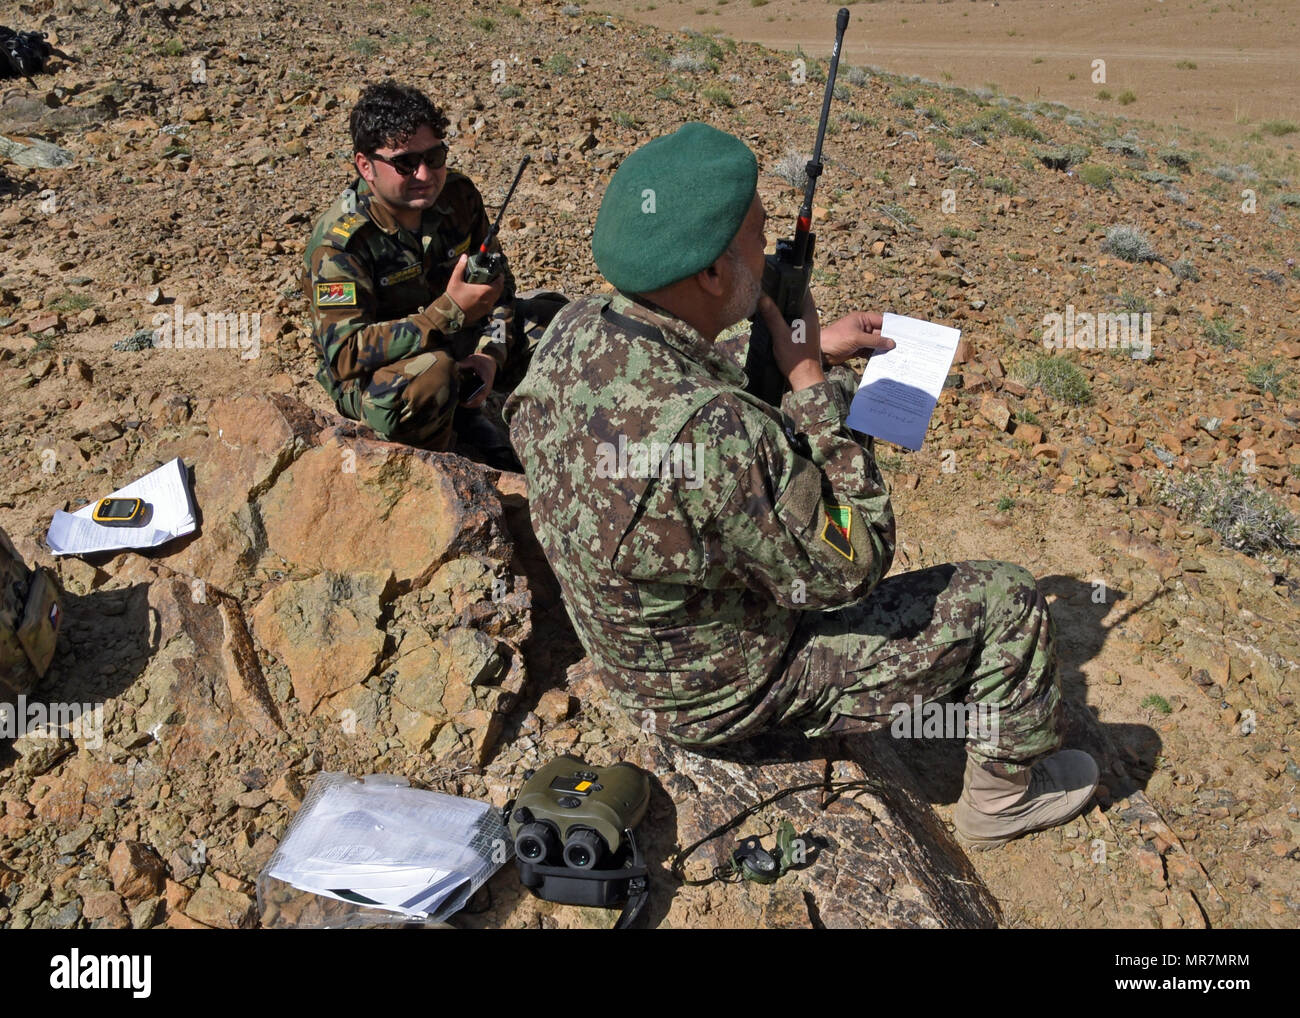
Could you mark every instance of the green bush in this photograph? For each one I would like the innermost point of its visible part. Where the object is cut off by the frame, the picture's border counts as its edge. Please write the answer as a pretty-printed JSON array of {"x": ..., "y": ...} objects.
[
  {"x": 1126, "y": 148},
  {"x": 1278, "y": 128},
  {"x": 1245, "y": 517},
  {"x": 1133, "y": 302},
  {"x": 70, "y": 302},
  {"x": 1000, "y": 122},
  {"x": 1157, "y": 702},
  {"x": 1270, "y": 376},
  {"x": 559, "y": 63},
  {"x": 1129, "y": 243},
  {"x": 1221, "y": 332},
  {"x": 1064, "y": 157},
  {"x": 1056, "y": 376},
  {"x": 1096, "y": 176}
]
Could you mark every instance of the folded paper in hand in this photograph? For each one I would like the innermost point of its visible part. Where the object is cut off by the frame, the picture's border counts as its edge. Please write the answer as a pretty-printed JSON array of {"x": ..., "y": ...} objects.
[{"x": 900, "y": 387}]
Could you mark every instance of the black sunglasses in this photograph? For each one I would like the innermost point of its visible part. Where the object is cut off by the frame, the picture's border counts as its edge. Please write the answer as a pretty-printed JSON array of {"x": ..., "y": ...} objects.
[{"x": 408, "y": 162}]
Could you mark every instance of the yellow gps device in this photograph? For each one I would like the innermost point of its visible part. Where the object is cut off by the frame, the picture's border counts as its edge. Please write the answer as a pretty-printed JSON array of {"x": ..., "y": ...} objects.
[{"x": 120, "y": 512}]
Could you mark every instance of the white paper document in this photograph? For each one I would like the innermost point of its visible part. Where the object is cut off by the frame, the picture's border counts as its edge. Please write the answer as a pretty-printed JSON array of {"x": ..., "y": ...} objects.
[
  {"x": 382, "y": 844},
  {"x": 900, "y": 387},
  {"x": 167, "y": 490}
]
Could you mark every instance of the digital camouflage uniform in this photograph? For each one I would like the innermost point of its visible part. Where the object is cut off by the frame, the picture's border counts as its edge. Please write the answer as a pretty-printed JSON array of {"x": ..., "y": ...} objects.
[
  {"x": 725, "y": 600},
  {"x": 387, "y": 332}
]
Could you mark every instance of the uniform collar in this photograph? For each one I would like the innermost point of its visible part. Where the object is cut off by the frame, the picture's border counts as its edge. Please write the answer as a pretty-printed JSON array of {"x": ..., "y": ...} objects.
[
  {"x": 382, "y": 216},
  {"x": 681, "y": 337}
]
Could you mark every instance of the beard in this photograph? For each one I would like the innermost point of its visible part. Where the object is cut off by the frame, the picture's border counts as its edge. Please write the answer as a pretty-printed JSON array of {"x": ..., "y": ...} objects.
[{"x": 743, "y": 301}]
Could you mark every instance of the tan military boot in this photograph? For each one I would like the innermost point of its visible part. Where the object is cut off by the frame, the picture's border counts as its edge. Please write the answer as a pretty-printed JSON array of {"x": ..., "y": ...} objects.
[{"x": 993, "y": 810}]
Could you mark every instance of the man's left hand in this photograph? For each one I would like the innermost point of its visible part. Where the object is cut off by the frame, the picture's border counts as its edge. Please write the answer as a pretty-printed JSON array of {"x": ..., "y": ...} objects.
[
  {"x": 852, "y": 334},
  {"x": 486, "y": 368}
]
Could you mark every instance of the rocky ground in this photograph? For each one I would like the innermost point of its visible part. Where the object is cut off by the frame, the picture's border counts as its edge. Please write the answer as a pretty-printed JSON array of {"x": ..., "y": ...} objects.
[{"x": 199, "y": 140}]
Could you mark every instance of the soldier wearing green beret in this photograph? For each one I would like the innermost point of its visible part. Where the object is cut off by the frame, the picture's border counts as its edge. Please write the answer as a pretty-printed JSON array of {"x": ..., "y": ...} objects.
[
  {"x": 725, "y": 562},
  {"x": 394, "y": 320}
]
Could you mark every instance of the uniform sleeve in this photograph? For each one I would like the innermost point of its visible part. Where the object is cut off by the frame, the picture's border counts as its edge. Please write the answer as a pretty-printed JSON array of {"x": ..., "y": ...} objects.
[
  {"x": 345, "y": 318},
  {"x": 807, "y": 517}
]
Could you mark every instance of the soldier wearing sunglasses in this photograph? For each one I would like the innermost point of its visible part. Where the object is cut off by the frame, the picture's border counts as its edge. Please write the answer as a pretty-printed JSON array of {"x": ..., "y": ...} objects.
[{"x": 406, "y": 344}]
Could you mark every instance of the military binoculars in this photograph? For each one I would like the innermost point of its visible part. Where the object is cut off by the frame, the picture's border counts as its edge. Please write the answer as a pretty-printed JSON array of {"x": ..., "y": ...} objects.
[{"x": 572, "y": 826}]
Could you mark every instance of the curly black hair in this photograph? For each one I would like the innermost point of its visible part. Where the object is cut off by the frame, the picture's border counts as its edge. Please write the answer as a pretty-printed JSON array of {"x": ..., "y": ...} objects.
[{"x": 388, "y": 113}]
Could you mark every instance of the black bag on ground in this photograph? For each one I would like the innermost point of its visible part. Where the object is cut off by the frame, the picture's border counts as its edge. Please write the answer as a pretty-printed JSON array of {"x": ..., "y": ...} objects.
[{"x": 22, "y": 54}]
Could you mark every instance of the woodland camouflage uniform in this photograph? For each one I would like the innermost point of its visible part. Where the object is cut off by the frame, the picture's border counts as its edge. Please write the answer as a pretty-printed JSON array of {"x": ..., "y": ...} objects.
[{"x": 386, "y": 331}]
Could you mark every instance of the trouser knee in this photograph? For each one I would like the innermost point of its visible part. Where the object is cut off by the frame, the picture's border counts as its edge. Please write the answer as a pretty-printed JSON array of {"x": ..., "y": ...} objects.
[{"x": 412, "y": 400}]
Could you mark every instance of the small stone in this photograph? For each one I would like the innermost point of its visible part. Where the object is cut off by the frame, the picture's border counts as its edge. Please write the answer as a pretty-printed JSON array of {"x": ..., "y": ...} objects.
[
  {"x": 104, "y": 910},
  {"x": 553, "y": 706},
  {"x": 43, "y": 323},
  {"x": 996, "y": 412},
  {"x": 106, "y": 431},
  {"x": 1030, "y": 434},
  {"x": 136, "y": 870},
  {"x": 144, "y": 915},
  {"x": 41, "y": 750},
  {"x": 221, "y": 908},
  {"x": 288, "y": 789}
]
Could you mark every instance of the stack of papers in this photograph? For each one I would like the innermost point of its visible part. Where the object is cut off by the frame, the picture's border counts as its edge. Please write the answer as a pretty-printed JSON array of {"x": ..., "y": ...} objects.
[
  {"x": 388, "y": 846},
  {"x": 900, "y": 388},
  {"x": 167, "y": 490}
]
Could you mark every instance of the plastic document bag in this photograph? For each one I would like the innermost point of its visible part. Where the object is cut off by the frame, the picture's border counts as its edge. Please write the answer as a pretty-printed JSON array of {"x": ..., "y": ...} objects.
[{"x": 378, "y": 852}]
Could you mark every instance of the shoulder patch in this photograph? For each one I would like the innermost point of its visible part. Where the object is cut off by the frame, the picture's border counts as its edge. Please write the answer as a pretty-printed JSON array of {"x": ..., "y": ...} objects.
[
  {"x": 336, "y": 295},
  {"x": 838, "y": 529}
]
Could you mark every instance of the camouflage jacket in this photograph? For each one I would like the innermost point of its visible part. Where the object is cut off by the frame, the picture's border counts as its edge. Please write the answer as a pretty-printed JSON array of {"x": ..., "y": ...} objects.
[
  {"x": 691, "y": 525},
  {"x": 377, "y": 292}
]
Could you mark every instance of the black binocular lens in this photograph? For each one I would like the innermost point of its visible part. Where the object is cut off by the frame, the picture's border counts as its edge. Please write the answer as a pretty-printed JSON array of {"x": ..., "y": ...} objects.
[
  {"x": 536, "y": 841},
  {"x": 584, "y": 849}
]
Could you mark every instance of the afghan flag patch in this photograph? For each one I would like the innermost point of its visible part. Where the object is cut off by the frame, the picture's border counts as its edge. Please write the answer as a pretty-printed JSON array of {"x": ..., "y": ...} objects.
[
  {"x": 336, "y": 295},
  {"x": 838, "y": 529}
]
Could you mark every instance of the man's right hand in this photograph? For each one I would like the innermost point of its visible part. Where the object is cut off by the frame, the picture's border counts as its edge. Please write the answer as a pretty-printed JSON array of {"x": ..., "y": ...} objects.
[
  {"x": 798, "y": 354},
  {"x": 474, "y": 299}
]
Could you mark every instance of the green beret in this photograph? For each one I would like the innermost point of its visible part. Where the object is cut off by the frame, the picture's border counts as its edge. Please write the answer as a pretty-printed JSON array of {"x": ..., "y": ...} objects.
[{"x": 673, "y": 207}]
